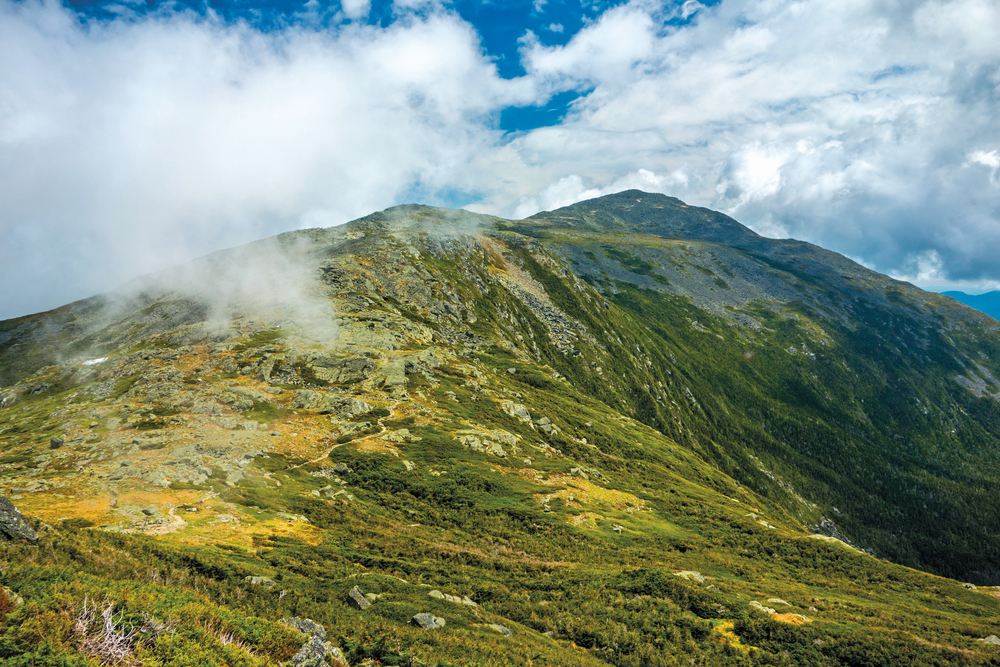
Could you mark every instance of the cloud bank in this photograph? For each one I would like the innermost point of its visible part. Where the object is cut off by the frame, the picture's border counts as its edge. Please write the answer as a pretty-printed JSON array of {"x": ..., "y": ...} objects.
[{"x": 133, "y": 143}]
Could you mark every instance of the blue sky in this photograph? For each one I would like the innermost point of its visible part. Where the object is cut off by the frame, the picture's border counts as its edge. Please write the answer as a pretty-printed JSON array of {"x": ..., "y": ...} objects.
[{"x": 137, "y": 135}]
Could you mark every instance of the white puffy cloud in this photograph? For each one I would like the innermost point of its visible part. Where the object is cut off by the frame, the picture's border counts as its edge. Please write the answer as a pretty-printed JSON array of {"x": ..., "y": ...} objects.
[
  {"x": 128, "y": 144},
  {"x": 356, "y": 9},
  {"x": 868, "y": 127}
]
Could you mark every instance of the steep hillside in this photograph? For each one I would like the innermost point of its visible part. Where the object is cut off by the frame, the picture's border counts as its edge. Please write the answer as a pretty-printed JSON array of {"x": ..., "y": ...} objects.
[
  {"x": 626, "y": 432},
  {"x": 875, "y": 400}
]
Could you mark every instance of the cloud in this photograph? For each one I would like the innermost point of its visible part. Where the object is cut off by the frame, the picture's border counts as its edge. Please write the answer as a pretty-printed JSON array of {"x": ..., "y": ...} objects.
[
  {"x": 356, "y": 9},
  {"x": 865, "y": 126},
  {"x": 133, "y": 143}
]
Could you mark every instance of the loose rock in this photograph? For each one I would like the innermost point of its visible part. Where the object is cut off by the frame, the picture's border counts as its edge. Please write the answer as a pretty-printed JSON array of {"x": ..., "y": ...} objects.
[
  {"x": 13, "y": 525},
  {"x": 306, "y": 626},
  {"x": 501, "y": 629},
  {"x": 428, "y": 621},
  {"x": 358, "y": 598}
]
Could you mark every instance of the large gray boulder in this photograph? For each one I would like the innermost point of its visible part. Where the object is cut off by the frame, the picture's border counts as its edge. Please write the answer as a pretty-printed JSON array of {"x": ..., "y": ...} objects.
[
  {"x": 428, "y": 621},
  {"x": 316, "y": 650},
  {"x": 312, "y": 654},
  {"x": 357, "y": 596},
  {"x": 13, "y": 526},
  {"x": 306, "y": 626}
]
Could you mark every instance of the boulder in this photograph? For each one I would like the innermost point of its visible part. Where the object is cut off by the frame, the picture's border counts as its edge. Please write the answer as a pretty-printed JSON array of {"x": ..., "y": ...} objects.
[
  {"x": 428, "y": 621},
  {"x": 432, "y": 357},
  {"x": 56, "y": 443},
  {"x": 261, "y": 581},
  {"x": 546, "y": 426},
  {"x": 306, "y": 626},
  {"x": 312, "y": 654},
  {"x": 400, "y": 435},
  {"x": 150, "y": 511},
  {"x": 394, "y": 374},
  {"x": 766, "y": 610},
  {"x": 352, "y": 407},
  {"x": 205, "y": 407},
  {"x": 358, "y": 598},
  {"x": 335, "y": 370},
  {"x": 307, "y": 399},
  {"x": 516, "y": 410},
  {"x": 992, "y": 639},
  {"x": 13, "y": 525},
  {"x": 488, "y": 442},
  {"x": 454, "y": 599},
  {"x": 501, "y": 629}
]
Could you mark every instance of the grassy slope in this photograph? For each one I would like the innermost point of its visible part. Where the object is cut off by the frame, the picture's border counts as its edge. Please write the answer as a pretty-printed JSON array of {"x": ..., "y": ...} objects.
[
  {"x": 870, "y": 420},
  {"x": 531, "y": 541}
]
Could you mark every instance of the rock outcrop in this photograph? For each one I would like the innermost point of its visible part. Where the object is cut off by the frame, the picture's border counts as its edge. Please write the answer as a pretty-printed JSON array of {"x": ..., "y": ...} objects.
[{"x": 13, "y": 526}]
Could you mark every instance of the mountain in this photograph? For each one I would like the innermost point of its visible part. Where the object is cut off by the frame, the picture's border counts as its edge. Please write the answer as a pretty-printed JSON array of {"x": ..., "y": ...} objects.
[
  {"x": 988, "y": 303},
  {"x": 626, "y": 432}
]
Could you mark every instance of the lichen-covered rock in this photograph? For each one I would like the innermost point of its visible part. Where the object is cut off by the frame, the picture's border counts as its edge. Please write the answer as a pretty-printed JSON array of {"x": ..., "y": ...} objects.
[
  {"x": 316, "y": 649},
  {"x": 545, "y": 424},
  {"x": 501, "y": 629},
  {"x": 261, "y": 581},
  {"x": 312, "y": 654},
  {"x": 488, "y": 442},
  {"x": 516, "y": 410},
  {"x": 306, "y": 626},
  {"x": 203, "y": 407},
  {"x": 334, "y": 370},
  {"x": 400, "y": 435},
  {"x": 454, "y": 599},
  {"x": 13, "y": 525},
  {"x": 394, "y": 374},
  {"x": 357, "y": 597},
  {"x": 306, "y": 399},
  {"x": 766, "y": 610},
  {"x": 428, "y": 621}
]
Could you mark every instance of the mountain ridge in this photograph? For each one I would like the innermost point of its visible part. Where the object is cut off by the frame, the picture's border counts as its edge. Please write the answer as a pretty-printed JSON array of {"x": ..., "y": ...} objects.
[{"x": 622, "y": 426}]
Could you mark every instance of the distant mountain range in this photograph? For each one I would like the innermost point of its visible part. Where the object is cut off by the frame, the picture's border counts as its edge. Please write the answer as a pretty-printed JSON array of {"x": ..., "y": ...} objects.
[
  {"x": 626, "y": 432},
  {"x": 988, "y": 303}
]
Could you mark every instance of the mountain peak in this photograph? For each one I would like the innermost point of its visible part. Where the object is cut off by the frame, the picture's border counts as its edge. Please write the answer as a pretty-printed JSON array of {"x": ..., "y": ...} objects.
[{"x": 639, "y": 212}]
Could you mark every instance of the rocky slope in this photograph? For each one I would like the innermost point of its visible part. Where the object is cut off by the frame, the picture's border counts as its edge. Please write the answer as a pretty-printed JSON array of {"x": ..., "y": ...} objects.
[{"x": 628, "y": 431}]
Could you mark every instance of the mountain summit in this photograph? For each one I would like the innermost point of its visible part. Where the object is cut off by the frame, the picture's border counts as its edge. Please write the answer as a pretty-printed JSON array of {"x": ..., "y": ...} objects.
[{"x": 625, "y": 432}]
